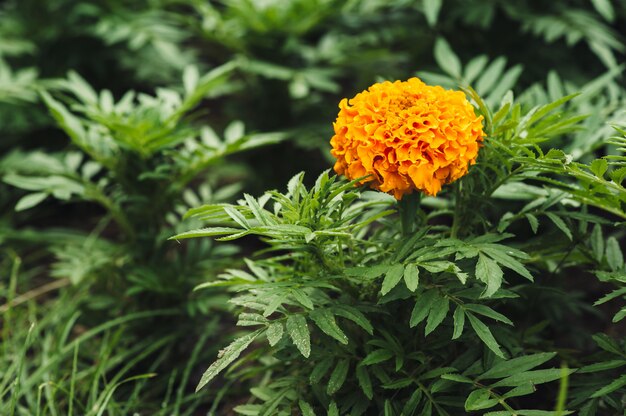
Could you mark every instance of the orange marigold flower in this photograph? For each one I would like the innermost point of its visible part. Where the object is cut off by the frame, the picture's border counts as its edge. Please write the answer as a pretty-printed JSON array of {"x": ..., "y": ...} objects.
[{"x": 407, "y": 135}]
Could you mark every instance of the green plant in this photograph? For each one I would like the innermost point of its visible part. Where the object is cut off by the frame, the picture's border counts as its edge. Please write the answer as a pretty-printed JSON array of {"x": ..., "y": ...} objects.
[{"x": 426, "y": 312}]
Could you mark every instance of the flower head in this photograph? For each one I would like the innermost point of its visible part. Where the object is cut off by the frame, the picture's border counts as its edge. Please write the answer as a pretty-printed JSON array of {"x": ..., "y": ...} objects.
[{"x": 407, "y": 136}]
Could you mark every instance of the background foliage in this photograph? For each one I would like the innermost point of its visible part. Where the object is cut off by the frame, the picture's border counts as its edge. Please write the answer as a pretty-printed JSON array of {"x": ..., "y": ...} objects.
[{"x": 117, "y": 117}]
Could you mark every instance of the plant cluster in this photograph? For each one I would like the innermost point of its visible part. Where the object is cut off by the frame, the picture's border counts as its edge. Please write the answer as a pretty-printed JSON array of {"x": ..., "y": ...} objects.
[{"x": 131, "y": 129}]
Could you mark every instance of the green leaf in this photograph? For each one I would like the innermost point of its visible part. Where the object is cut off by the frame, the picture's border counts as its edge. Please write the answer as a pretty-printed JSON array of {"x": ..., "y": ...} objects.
[
  {"x": 488, "y": 312},
  {"x": 338, "y": 376},
  {"x": 299, "y": 333},
  {"x": 325, "y": 320},
  {"x": 533, "y": 221},
  {"x": 485, "y": 335},
  {"x": 611, "y": 387},
  {"x": 437, "y": 314},
  {"x": 614, "y": 294},
  {"x": 305, "y": 408},
  {"x": 599, "y": 167},
  {"x": 431, "y": 11},
  {"x": 377, "y": 356},
  {"x": 302, "y": 298},
  {"x": 614, "y": 254},
  {"x": 490, "y": 273},
  {"x": 499, "y": 254},
  {"x": 355, "y": 316},
  {"x": 422, "y": 307},
  {"x": 367, "y": 272},
  {"x": 333, "y": 410},
  {"x": 517, "y": 365},
  {"x": 619, "y": 315},
  {"x": 411, "y": 277},
  {"x": 392, "y": 278},
  {"x": 227, "y": 356},
  {"x": 597, "y": 243},
  {"x": 479, "y": 400},
  {"x": 365, "y": 382},
  {"x": 274, "y": 333},
  {"x": 560, "y": 224},
  {"x": 601, "y": 366},
  {"x": 446, "y": 58},
  {"x": 459, "y": 322},
  {"x": 605, "y": 8},
  {"x": 535, "y": 377},
  {"x": 30, "y": 200},
  {"x": 320, "y": 370}
]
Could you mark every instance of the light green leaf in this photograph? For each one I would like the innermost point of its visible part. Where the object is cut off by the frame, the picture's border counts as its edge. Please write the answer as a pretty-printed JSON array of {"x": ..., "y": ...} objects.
[
  {"x": 431, "y": 10},
  {"x": 306, "y": 408},
  {"x": 392, "y": 278},
  {"x": 365, "y": 382},
  {"x": 490, "y": 273},
  {"x": 611, "y": 387},
  {"x": 517, "y": 365},
  {"x": 411, "y": 277},
  {"x": 227, "y": 356},
  {"x": 338, "y": 376},
  {"x": 597, "y": 243},
  {"x": 325, "y": 320},
  {"x": 605, "y": 8},
  {"x": 302, "y": 298},
  {"x": 376, "y": 357},
  {"x": 333, "y": 410},
  {"x": 485, "y": 335},
  {"x": 299, "y": 333},
  {"x": 355, "y": 316},
  {"x": 30, "y": 200},
  {"x": 535, "y": 377},
  {"x": 614, "y": 254},
  {"x": 479, "y": 400},
  {"x": 560, "y": 224},
  {"x": 422, "y": 307},
  {"x": 488, "y": 312},
  {"x": 459, "y": 322},
  {"x": 437, "y": 314},
  {"x": 274, "y": 333},
  {"x": 446, "y": 58}
]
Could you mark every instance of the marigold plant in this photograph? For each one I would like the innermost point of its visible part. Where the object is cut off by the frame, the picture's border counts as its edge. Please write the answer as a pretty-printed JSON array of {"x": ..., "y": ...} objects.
[{"x": 406, "y": 136}]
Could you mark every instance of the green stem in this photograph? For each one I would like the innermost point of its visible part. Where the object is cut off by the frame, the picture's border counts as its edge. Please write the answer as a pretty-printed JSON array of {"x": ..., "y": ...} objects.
[
  {"x": 456, "y": 219},
  {"x": 408, "y": 207}
]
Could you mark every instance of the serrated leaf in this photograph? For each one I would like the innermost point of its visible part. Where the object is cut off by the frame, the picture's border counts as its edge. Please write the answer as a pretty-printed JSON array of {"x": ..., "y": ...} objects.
[
  {"x": 505, "y": 260},
  {"x": 365, "y": 382},
  {"x": 597, "y": 243},
  {"x": 422, "y": 307},
  {"x": 479, "y": 400},
  {"x": 488, "y": 312},
  {"x": 411, "y": 277},
  {"x": 320, "y": 370},
  {"x": 485, "y": 335},
  {"x": 367, "y": 272},
  {"x": 517, "y": 365},
  {"x": 306, "y": 408},
  {"x": 431, "y": 11},
  {"x": 446, "y": 58},
  {"x": 333, "y": 410},
  {"x": 30, "y": 200},
  {"x": 355, "y": 316},
  {"x": 535, "y": 377},
  {"x": 392, "y": 278},
  {"x": 533, "y": 221},
  {"x": 614, "y": 254},
  {"x": 274, "y": 333},
  {"x": 599, "y": 167},
  {"x": 299, "y": 332},
  {"x": 227, "y": 356},
  {"x": 459, "y": 322},
  {"x": 377, "y": 356},
  {"x": 325, "y": 320},
  {"x": 437, "y": 314},
  {"x": 560, "y": 224},
  {"x": 338, "y": 376},
  {"x": 302, "y": 298},
  {"x": 490, "y": 273}
]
